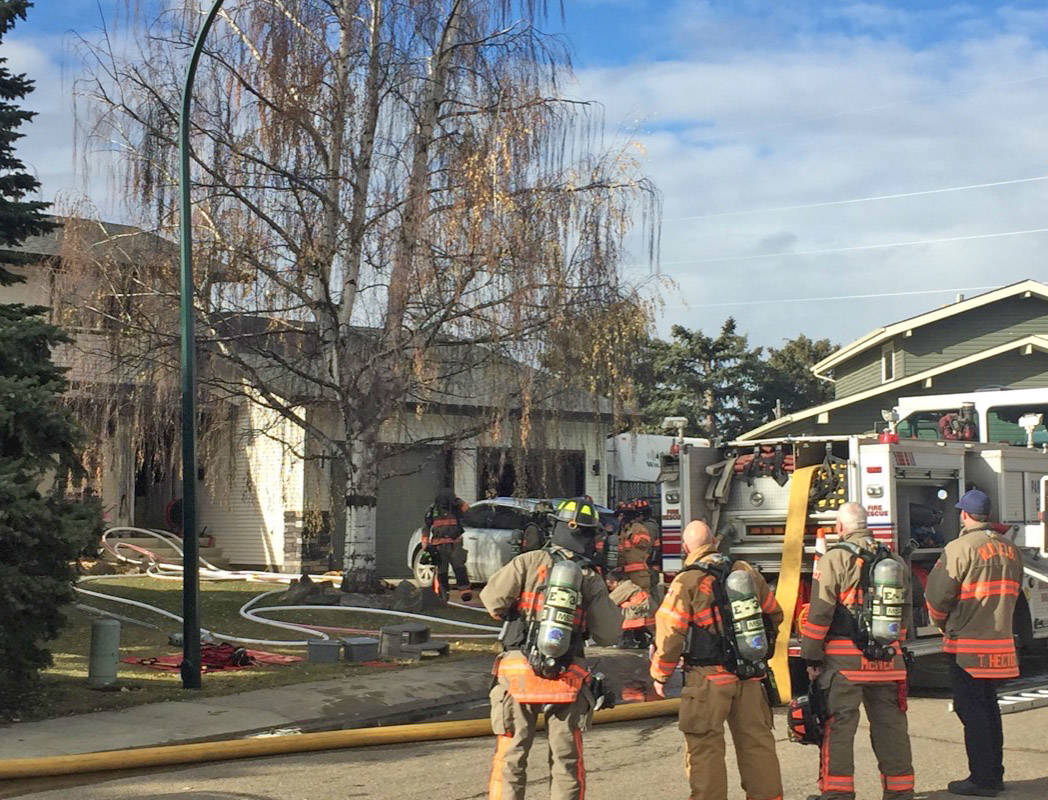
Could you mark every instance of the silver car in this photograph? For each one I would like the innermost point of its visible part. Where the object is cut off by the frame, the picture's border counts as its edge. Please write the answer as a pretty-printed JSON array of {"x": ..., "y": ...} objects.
[{"x": 495, "y": 531}]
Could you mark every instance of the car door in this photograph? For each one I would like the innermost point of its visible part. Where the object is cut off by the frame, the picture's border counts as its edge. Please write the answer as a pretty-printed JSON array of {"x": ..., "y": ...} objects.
[{"x": 489, "y": 540}]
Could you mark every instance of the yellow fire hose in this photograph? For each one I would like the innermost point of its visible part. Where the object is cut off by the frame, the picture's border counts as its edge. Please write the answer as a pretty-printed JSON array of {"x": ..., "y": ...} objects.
[
  {"x": 790, "y": 574},
  {"x": 169, "y": 755}
]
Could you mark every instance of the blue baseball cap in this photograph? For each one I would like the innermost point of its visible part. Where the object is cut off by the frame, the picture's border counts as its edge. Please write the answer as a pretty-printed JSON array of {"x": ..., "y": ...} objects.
[{"x": 975, "y": 502}]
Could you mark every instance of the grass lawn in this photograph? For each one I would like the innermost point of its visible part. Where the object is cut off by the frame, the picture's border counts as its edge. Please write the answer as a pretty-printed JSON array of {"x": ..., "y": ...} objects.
[{"x": 64, "y": 689}]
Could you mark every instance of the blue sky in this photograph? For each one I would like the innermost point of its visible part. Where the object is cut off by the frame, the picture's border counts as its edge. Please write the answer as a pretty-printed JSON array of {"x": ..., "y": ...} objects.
[{"x": 762, "y": 123}]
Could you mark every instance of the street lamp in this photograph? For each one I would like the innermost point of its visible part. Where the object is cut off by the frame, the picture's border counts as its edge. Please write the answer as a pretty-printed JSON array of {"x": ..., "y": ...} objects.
[{"x": 190, "y": 541}]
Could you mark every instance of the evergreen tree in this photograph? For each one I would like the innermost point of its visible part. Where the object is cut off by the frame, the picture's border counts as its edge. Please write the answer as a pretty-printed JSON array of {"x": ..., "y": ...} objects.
[
  {"x": 720, "y": 385},
  {"x": 19, "y": 218},
  {"x": 710, "y": 380},
  {"x": 787, "y": 382},
  {"x": 41, "y": 534}
]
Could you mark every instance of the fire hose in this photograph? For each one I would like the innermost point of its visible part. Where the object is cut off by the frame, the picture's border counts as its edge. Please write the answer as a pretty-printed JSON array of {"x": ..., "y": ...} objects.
[
  {"x": 159, "y": 568},
  {"x": 198, "y": 753}
]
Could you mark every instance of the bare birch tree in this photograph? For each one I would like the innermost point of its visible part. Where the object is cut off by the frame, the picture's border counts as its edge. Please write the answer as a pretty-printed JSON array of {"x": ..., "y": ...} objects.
[{"x": 392, "y": 196}]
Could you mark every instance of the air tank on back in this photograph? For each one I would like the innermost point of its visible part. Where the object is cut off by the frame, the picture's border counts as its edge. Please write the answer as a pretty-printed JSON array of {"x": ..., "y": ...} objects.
[
  {"x": 557, "y": 620},
  {"x": 888, "y": 593},
  {"x": 751, "y": 640}
]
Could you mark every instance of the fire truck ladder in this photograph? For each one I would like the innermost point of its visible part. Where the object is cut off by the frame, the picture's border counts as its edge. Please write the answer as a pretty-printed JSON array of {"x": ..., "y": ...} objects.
[{"x": 1022, "y": 695}]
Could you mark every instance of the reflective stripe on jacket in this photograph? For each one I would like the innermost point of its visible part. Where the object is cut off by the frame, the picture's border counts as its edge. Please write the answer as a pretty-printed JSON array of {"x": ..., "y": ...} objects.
[
  {"x": 690, "y": 601},
  {"x": 971, "y": 596},
  {"x": 836, "y": 596},
  {"x": 636, "y": 605},
  {"x": 443, "y": 525},
  {"x": 525, "y": 686},
  {"x": 635, "y": 545}
]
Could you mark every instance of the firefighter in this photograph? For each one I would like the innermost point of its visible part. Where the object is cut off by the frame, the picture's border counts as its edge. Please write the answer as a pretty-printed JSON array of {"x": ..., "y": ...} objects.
[
  {"x": 541, "y": 670},
  {"x": 638, "y": 610},
  {"x": 635, "y": 546},
  {"x": 689, "y": 624},
  {"x": 971, "y": 596},
  {"x": 647, "y": 519},
  {"x": 442, "y": 538},
  {"x": 847, "y": 676}
]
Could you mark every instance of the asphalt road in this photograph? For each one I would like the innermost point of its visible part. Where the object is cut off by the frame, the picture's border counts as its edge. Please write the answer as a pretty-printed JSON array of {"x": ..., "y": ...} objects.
[{"x": 637, "y": 760}]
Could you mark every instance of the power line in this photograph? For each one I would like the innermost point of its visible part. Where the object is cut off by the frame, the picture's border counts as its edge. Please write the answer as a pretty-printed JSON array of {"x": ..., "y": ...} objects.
[
  {"x": 860, "y": 199},
  {"x": 855, "y": 248},
  {"x": 837, "y": 297}
]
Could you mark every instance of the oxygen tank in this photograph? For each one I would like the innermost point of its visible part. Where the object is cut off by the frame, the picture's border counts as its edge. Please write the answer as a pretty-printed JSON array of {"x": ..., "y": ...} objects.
[
  {"x": 887, "y": 592},
  {"x": 557, "y": 623},
  {"x": 751, "y": 641}
]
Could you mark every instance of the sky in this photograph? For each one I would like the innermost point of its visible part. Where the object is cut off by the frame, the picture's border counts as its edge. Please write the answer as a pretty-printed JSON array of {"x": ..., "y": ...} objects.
[{"x": 780, "y": 135}]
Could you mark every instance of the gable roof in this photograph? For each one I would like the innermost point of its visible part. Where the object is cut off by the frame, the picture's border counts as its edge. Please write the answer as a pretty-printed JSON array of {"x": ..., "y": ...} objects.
[
  {"x": 123, "y": 242},
  {"x": 878, "y": 335},
  {"x": 1026, "y": 345}
]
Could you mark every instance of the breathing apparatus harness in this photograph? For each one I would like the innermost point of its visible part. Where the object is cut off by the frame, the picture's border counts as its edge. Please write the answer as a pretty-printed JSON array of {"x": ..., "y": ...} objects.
[
  {"x": 552, "y": 636},
  {"x": 742, "y": 647},
  {"x": 877, "y": 623}
]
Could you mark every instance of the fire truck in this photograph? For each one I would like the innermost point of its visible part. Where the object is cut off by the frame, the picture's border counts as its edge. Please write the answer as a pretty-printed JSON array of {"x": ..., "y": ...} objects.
[{"x": 772, "y": 499}]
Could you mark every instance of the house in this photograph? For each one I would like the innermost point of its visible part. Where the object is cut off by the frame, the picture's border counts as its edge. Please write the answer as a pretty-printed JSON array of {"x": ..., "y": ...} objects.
[
  {"x": 998, "y": 339},
  {"x": 265, "y": 485}
]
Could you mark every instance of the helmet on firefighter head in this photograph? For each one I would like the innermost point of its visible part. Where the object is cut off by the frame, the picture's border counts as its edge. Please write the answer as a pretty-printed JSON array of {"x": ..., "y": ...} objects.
[
  {"x": 575, "y": 526},
  {"x": 578, "y": 512}
]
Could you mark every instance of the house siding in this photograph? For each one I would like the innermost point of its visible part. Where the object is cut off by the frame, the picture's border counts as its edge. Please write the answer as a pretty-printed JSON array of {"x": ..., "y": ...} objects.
[
  {"x": 246, "y": 506},
  {"x": 975, "y": 331},
  {"x": 1010, "y": 370},
  {"x": 859, "y": 373}
]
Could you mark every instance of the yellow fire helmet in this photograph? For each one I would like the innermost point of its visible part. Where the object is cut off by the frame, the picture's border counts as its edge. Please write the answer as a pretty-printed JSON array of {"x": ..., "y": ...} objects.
[{"x": 578, "y": 512}]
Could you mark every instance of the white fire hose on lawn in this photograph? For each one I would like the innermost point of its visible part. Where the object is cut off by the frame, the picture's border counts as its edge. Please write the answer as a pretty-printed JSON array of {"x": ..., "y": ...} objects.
[{"x": 167, "y": 570}]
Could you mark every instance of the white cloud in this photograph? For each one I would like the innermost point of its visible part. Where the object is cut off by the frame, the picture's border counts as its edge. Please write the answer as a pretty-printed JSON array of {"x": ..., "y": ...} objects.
[
  {"x": 828, "y": 117},
  {"x": 48, "y": 148}
]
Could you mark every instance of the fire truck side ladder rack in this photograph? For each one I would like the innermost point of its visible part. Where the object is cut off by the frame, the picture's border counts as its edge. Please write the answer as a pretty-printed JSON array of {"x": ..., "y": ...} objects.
[{"x": 1023, "y": 698}]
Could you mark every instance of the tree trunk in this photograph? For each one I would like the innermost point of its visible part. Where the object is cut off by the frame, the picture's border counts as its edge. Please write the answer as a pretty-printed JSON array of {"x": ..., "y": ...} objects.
[{"x": 360, "y": 489}]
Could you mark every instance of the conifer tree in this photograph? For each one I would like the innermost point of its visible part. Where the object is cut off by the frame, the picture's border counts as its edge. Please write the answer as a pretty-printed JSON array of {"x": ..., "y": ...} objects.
[{"x": 41, "y": 533}]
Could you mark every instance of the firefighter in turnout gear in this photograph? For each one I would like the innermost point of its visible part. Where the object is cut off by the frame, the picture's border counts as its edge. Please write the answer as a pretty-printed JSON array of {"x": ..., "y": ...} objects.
[
  {"x": 648, "y": 520},
  {"x": 723, "y": 668},
  {"x": 638, "y": 608},
  {"x": 550, "y": 602},
  {"x": 971, "y": 596},
  {"x": 442, "y": 539},
  {"x": 636, "y": 544},
  {"x": 851, "y": 640}
]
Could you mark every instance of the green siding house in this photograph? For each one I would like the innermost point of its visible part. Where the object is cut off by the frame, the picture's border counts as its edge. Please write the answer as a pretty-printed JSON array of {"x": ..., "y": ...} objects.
[{"x": 994, "y": 340}]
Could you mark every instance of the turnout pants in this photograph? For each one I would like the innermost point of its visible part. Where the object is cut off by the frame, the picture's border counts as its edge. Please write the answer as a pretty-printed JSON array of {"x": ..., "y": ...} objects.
[
  {"x": 450, "y": 557},
  {"x": 975, "y": 701},
  {"x": 888, "y": 734},
  {"x": 706, "y": 704},
  {"x": 514, "y": 726}
]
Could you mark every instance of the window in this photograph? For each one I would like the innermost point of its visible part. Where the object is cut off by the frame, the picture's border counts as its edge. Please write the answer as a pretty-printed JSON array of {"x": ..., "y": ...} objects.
[
  {"x": 1003, "y": 425},
  {"x": 508, "y": 519},
  {"x": 887, "y": 362},
  {"x": 478, "y": 516},
  {"x": 922, "y": 425},
  {"x": 937, "y": 426}
]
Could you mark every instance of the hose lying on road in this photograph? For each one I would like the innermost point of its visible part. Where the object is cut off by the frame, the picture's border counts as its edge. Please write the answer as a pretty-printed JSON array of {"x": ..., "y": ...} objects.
[
  {"x": 162, "y": 569},
  {"x": 170, "y": 755}
]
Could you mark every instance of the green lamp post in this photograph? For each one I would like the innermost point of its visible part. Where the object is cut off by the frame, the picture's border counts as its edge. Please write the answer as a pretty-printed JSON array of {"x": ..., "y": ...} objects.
[{"x": 190, "y": 539}]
